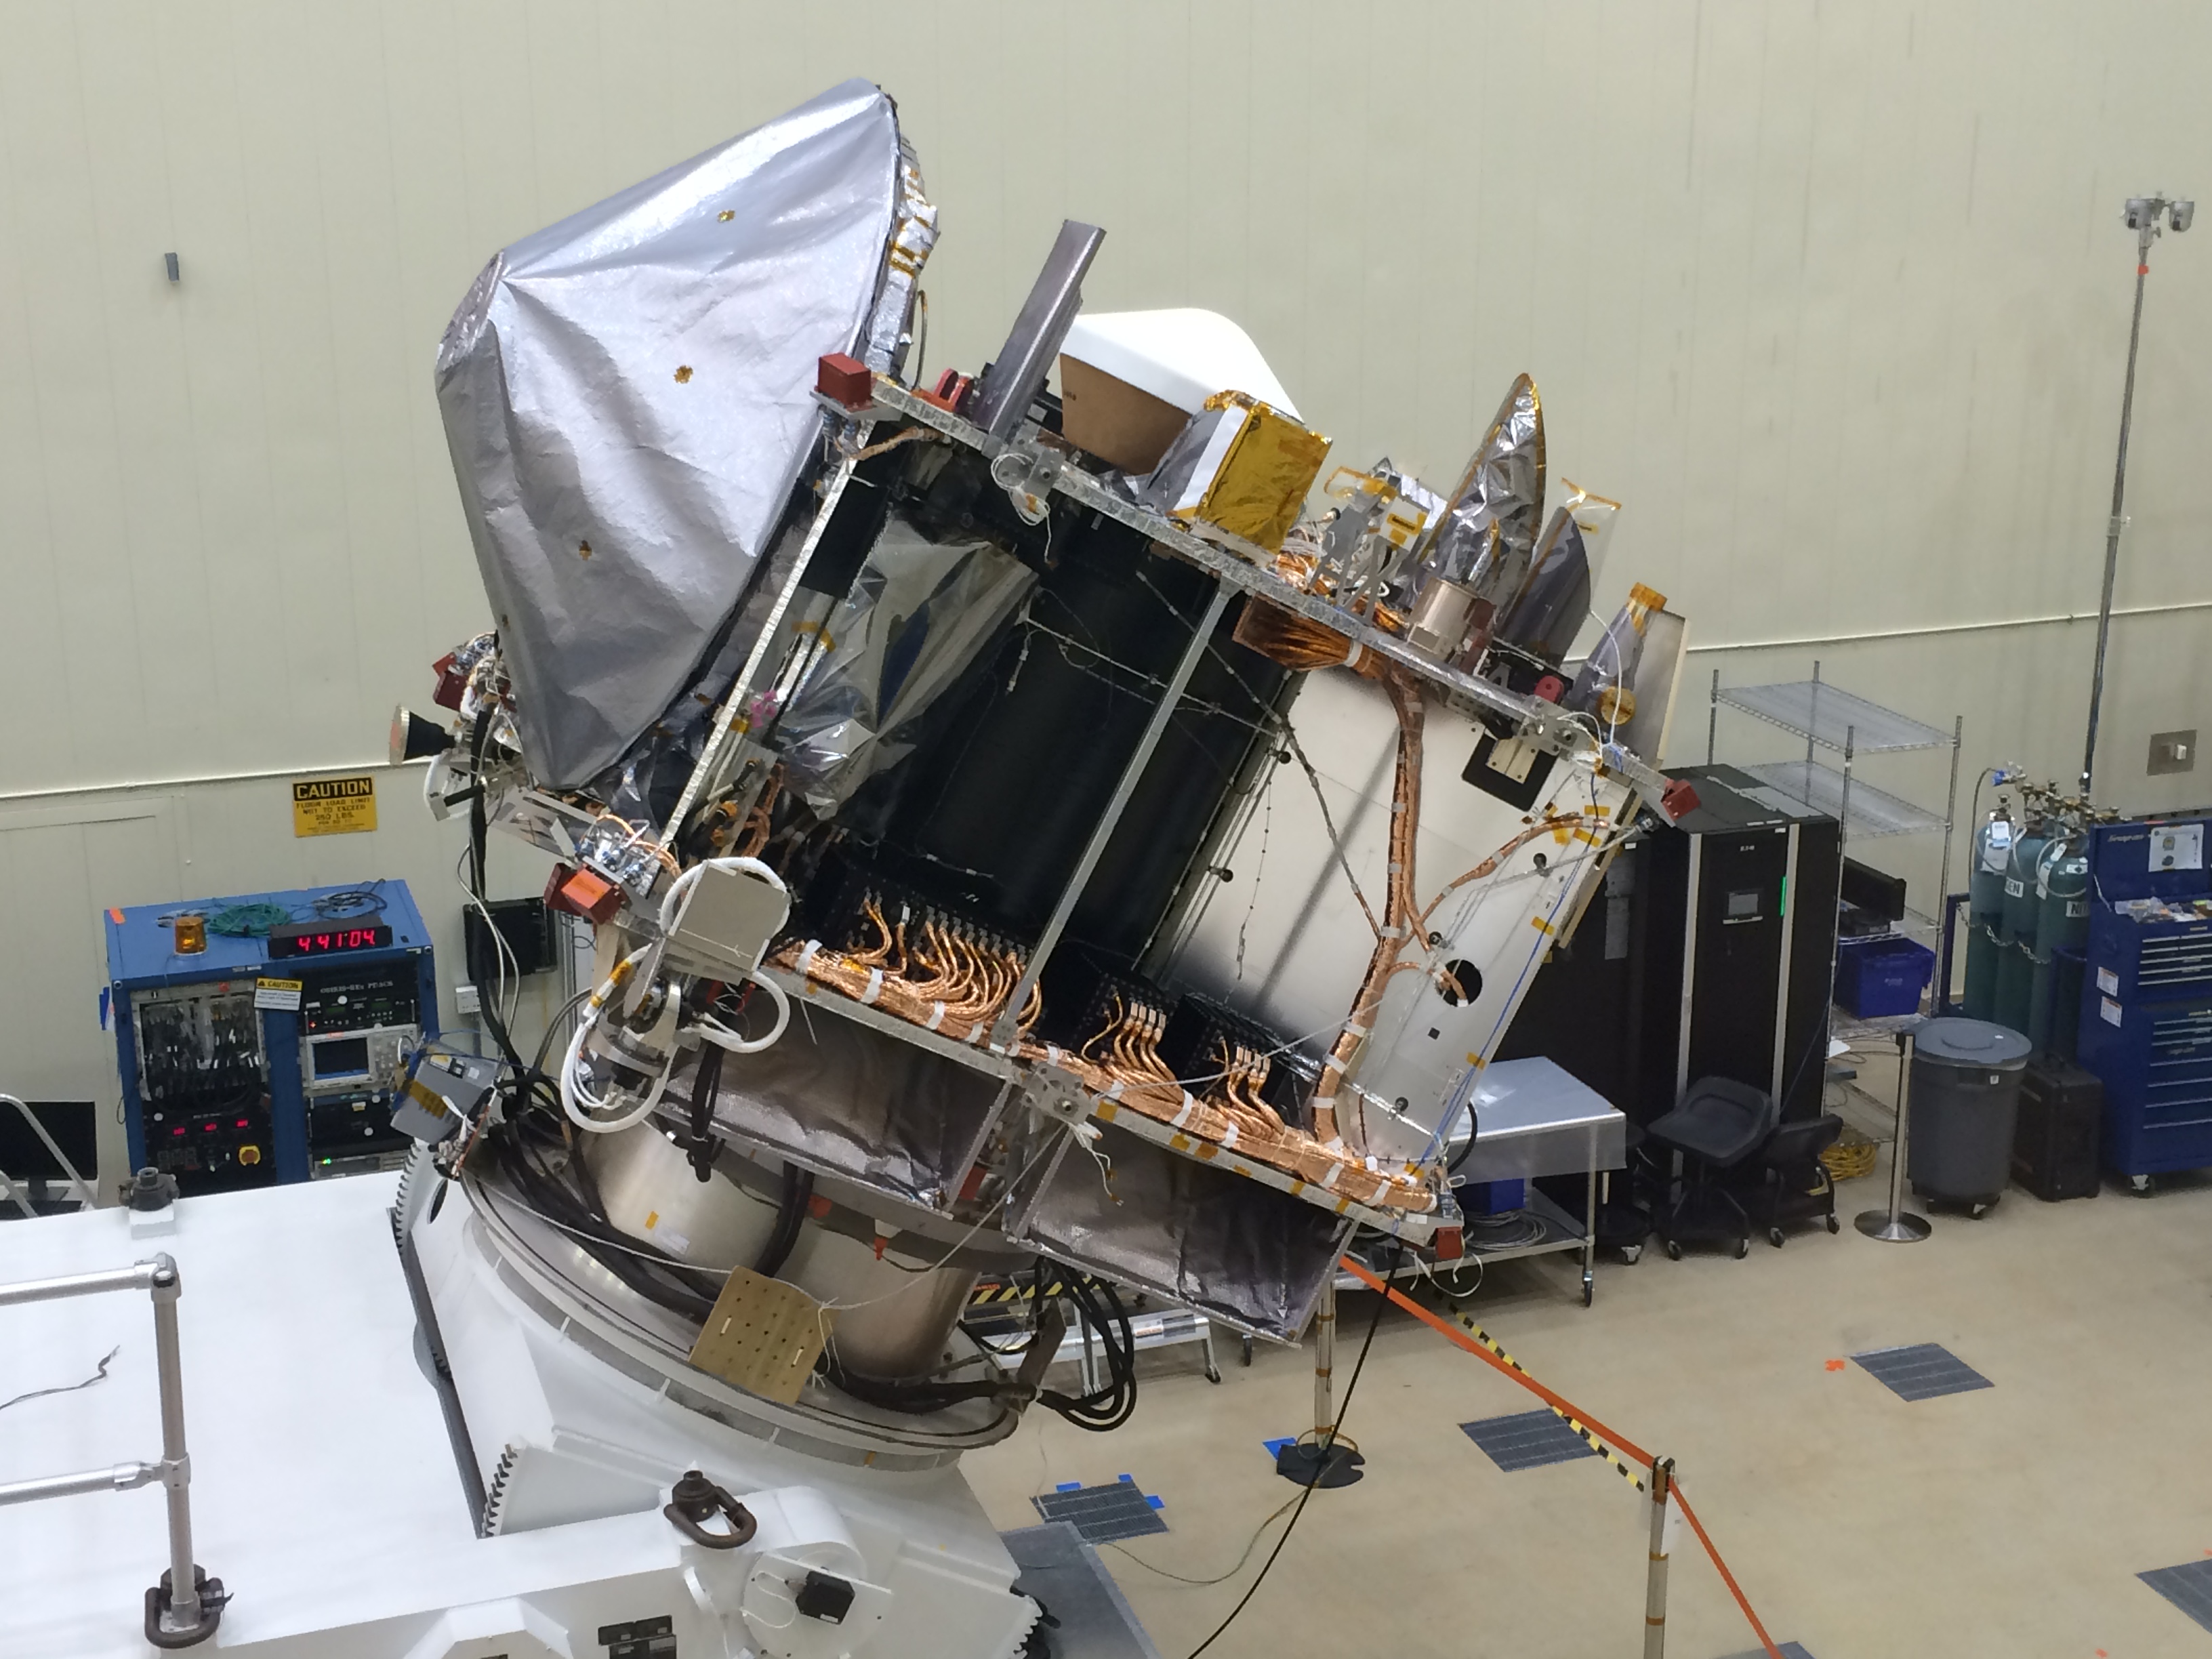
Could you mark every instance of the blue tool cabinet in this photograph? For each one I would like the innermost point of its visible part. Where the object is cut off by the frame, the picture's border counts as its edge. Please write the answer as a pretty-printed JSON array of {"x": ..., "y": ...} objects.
[{"x": 2146, "y": 1028}]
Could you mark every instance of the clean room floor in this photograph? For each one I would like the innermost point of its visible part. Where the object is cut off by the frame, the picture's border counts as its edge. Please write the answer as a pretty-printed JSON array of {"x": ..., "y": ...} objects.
[{"x": 2008, "y": 1521}]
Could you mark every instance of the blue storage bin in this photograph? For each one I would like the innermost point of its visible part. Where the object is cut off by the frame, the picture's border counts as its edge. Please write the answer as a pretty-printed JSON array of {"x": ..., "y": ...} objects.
[
  {"x": 1492, "y": 1197},
  {"x": 1881, "y": 975}
]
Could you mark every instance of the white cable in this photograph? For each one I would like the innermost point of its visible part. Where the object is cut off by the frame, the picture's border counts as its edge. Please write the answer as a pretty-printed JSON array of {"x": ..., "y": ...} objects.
[
  {"x": 577, "y": 1100},
  {"x": 713, "y": 1031},
  {"x": 503, "y": 1001}
]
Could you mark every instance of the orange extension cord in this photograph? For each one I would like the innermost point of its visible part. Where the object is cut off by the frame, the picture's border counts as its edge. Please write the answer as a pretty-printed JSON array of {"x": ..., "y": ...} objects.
[{"x": 1560, "y": 1404}]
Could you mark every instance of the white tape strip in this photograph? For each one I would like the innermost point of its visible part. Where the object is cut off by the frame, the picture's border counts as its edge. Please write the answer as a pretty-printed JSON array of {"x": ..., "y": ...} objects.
[
  {"x": 1114, "y": 1093},
  {"x": 1182, "y": 1115},
  {"x": 1334, "y": 1064},
  {"x": 806, "y": 955},
  {"x": 875, "y": 985},
  {"x": 1228, "y": 1141},
  {"x": 936, "y": 1015},
  {"x": 1335, "y": 1170}
]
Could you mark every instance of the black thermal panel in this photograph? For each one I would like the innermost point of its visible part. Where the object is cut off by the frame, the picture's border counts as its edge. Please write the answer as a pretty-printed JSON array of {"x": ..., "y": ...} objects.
[{"x": 995, "y": 805}]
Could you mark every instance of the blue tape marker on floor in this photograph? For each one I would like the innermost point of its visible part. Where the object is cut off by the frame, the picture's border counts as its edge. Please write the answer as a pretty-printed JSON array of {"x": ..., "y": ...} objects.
[
  {"x": 1069, "y": 1486},
  {"x": 1527, "y": 1440},
  {"x": 2188, "y": 1586},
  {"x": 1104, "y": 1514},
  {"x": 1274, "y": 1448},
  {"x": 1923, "y": 1370}
]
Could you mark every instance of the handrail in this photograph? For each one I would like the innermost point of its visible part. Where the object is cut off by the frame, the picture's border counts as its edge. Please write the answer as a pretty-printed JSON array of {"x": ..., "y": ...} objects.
[{"x": 186, "y": 1605}]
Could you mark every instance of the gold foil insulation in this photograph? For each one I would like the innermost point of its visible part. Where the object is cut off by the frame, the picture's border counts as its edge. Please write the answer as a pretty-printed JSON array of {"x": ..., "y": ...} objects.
[{"x": 1252, "y": 475}]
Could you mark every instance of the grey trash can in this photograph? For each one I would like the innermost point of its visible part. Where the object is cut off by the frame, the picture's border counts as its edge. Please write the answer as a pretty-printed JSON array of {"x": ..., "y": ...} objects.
[{"x": 1965, "y": 1103}]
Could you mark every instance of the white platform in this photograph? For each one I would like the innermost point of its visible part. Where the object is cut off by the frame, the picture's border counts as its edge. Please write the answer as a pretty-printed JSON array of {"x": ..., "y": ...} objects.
[
  {"x": 324, "y": 1491},
  {"x": 269, "y": 1314}
]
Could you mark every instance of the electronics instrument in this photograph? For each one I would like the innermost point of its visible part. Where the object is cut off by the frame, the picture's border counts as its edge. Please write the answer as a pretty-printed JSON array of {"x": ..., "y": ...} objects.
[{"x": 274, "y": 1056}]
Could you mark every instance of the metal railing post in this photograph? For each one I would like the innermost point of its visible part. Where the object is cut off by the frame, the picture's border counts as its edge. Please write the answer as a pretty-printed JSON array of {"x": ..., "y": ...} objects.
[
  {"x": 1654, "y": 1582},
  {"x": 180, "y": 1614},
  {"x": 176, "y": 1463}
]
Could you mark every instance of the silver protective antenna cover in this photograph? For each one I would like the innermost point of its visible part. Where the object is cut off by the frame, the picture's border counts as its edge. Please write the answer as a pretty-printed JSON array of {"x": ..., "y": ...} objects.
[{"x": 627, "y": 395}]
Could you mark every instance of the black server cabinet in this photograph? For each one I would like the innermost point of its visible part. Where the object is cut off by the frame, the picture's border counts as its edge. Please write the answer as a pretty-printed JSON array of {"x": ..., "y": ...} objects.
[
  {"x": 1741, "y": 937},
  {"x": 1758, "y": 872}
]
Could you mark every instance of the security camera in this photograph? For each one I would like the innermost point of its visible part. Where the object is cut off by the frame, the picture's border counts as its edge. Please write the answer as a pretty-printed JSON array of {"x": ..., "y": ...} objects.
[
  {"x": 2183, "y": 213},
  {"x": 2141, "y": 211}
]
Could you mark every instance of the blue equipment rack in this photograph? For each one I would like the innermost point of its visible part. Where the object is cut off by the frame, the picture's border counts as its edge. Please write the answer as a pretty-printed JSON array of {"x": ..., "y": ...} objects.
[{"x": 253, "y": 1114}]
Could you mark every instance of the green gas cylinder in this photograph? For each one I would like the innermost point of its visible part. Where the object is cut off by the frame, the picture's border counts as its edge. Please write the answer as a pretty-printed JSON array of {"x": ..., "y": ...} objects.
[
  {"x": 2061, "y": 922},
  {"x": 1992, "y": 857},
  {"x": 2016, "y": 931}
]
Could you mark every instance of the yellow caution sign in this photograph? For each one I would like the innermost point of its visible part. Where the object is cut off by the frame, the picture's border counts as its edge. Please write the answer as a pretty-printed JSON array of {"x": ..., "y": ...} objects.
[{"x": 334, "y": 806}]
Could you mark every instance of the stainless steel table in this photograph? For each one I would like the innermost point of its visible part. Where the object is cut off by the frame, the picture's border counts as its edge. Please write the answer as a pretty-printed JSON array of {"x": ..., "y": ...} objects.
[{"x": 1533, "y": 1119}]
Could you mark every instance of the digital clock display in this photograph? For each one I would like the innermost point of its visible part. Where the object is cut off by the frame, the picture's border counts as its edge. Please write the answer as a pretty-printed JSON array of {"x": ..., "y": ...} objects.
[{"x": 327, "y": 938}]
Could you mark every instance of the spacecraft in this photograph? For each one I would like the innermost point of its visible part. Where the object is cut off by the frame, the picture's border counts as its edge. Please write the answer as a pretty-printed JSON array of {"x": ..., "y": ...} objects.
[{"x": 1023, "y": 840}]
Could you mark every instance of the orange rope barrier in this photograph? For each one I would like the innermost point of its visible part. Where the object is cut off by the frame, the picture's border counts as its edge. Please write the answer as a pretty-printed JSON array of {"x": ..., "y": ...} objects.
[
  {"x": 1727, "y": 1577},
  {"x": 1555, "y": 1402},
  {"x": 1567, "y": 1407}
]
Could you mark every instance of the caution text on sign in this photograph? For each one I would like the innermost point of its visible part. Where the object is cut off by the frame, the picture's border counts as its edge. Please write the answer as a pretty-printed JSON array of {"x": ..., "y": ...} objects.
[{"x": 334, "y": 806}]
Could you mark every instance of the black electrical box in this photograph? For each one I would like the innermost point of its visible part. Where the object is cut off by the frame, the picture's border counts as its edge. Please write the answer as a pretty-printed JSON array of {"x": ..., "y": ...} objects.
[
  {"x": 2056, "y": 1141},
  {"x": 523, "y": 923}
]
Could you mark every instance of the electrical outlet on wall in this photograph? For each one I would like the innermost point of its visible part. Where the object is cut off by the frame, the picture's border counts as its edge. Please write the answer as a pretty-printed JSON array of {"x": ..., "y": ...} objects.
[
  {"x": 467, "y": 999},
  {"x": 2172, "y": 752}
]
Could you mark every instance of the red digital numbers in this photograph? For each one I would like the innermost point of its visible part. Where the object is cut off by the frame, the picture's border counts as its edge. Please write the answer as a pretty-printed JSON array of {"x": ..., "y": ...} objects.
[{"x": 373, "y": 937}]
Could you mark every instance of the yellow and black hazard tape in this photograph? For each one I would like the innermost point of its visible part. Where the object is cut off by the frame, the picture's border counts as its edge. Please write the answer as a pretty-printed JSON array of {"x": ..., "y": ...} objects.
[
  {"x": 1628, "y": 1470},
  {"x": 992, "y": 1295}
]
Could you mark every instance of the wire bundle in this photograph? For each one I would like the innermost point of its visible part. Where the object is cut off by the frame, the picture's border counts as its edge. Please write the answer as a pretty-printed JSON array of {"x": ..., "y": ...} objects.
[{"x": 247, "y": 920}]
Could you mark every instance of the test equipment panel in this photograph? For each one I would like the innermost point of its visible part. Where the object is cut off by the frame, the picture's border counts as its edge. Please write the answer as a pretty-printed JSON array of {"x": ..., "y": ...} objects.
[{"x": 270, "y": 1056}]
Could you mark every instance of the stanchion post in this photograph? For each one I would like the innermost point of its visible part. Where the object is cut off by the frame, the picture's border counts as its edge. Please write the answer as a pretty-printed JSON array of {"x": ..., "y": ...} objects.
[
  {"x": 1321, "y": 1462},
  {"x": 1325, "y": 1357},
  {"x": 1893, "y": 1225},
  {"x": 1655, "y": 1584}
]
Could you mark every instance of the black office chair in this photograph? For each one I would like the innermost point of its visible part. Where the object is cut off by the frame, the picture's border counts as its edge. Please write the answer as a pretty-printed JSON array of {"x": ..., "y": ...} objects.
[
  {"x": 1717, "y": 1125},
  {"x": 1794, "y": 1184}
]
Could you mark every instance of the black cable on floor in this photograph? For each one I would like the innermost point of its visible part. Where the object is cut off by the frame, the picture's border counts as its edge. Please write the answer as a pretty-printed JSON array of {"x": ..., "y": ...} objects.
[{"x": 1321, "y": 1463}]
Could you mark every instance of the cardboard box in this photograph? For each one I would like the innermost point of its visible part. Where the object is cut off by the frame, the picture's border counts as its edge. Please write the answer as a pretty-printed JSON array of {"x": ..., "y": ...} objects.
[{"x": 1121, "y": 424}]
